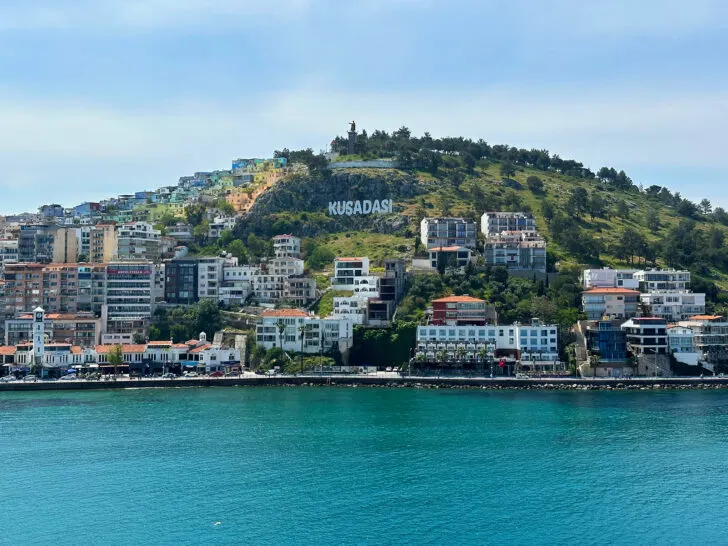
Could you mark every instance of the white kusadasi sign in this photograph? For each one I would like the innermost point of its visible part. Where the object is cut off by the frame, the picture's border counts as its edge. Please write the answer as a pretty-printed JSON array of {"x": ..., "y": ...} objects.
[{"x": 348, "y": 208}]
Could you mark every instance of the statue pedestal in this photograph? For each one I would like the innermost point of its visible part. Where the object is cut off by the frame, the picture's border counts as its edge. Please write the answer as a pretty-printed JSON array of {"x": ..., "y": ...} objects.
[{"x": 351, "y": 148}]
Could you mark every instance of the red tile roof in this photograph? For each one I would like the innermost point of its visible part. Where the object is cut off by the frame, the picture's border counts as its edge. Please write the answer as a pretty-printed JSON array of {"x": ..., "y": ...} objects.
[
  {"x": 446, "y": 249},
  {"x": 458, "y": 299},
  {"x": 284, "y": 313},
  {"x": 348, "y": 259},
  {"x": 623, "y": 291},
  {"x": 179, "y": 346},
  {"x": 199, "y": 349},
  {"x": 105, "y": 349},
  {"x": 76, "y": 350},
  {"x": 706, "y": 317},
  {"x": 7, "y": 350},
  {"x": 282, "y": 236},
  {"x": 159, "y": 343}
]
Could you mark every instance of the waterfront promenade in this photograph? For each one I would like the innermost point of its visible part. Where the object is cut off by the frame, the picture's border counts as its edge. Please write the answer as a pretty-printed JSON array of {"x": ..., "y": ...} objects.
[{"x": 377, "y": 380}]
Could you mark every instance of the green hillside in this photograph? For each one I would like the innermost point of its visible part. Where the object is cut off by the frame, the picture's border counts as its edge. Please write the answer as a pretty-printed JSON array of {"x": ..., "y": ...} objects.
[{"x": 588, "y": 219}]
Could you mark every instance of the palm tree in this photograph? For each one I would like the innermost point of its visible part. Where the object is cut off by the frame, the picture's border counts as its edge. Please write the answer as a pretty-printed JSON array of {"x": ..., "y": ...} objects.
[
  {"x": 281, "y": 328},
  {"x": 302, "y": 329},
  {"x": 460, "y": 353}
]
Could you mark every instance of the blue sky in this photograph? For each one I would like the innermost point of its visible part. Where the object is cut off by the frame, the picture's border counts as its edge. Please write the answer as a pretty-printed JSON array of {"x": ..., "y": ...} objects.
[{"x": 99, "y": 97}]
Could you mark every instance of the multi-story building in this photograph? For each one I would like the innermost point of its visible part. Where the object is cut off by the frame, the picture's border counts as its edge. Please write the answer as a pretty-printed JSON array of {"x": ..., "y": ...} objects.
[
  {"x": 285, "y": 266},
  {"x": 662, "y": 279},
  {"x": 607, "y": 340},
  {"x": 347, "y": 270},
  {"x": 392, "y": 284},
  {"x": 613, "y": 303},
  {"x": 535, "y": 345},
  {"x": 681, "y": 343},
  {"x": 8, "y": 251},
  {"x": 51, "y": 211},
  {"x": 287, "y": 245},
  {"x": 46, "y": 243},
  {"x": 674, "y": 305},
  {"x": 710, "y": 337},
  {"x": 354, "y": 308},
  {"x": 129, "y": 296},
  {"x": 181, "y": 282},
  {"x": 646, "y": 336},
  {"x": 459, "y": 311},
  {"x": 447, "y": 232},
  {"x": 210, "y": 275},
  {"x": 181, "y": 232},
  {"x": 516, "y": 250},
  {"x": 103, "y": 243},
  {"x": 295, "y": 330},
  {"x": 81, "y": 329},
  {"x": 609, "y": 278},
  {"x": 138, "y": 241},
  {"x": 220, "y": 224},
  {"x": 237, "y": 284},
  {"x": 493, "y": 223},
  {"x": 446, "y": 257}
]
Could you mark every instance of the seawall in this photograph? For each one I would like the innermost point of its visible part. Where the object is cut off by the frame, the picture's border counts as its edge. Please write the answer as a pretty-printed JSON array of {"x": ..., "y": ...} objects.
[{"x": 391, "y": 382}]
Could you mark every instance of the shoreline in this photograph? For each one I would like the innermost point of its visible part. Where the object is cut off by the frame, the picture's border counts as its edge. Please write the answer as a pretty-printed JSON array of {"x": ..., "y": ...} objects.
[{"x": 480, "y": 383}]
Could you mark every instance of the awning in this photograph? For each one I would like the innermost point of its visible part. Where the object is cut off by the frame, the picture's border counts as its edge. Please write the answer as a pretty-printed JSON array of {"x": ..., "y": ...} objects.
[{"x": 70, "y": 370}]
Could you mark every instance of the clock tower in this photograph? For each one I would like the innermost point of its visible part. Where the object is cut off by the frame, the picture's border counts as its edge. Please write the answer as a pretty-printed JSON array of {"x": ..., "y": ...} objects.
[{"x": 38, "y": 336}]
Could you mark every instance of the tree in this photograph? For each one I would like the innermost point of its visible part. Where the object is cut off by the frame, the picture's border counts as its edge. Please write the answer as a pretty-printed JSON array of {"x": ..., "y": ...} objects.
[
  {"x": 622, "y": 209},
  {"x": 281, "y": 330},
  {"x": 507, "y": 169},
  {"x": 544, "y": 309},
  {"x": 578, "y": 202},
  {"x": 706, "y": 207},
  {"x": 653, "y": 219},
  {"x": 469, "y": 161},
  {"x": 320, "y": 257},
  {"x": 116, "y": 357},
  {"x": 237, "y": 249},
  {"x": 535, "y": 184},
  {"x": 597, "y": 206}
]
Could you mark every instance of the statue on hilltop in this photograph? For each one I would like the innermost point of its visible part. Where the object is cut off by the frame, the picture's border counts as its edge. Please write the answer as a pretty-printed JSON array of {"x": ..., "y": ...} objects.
[{"x": 352, "y": 128}]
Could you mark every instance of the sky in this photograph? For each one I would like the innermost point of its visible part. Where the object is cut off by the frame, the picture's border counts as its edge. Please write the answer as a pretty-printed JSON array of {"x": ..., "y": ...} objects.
[{"x": 101, "y": 97}]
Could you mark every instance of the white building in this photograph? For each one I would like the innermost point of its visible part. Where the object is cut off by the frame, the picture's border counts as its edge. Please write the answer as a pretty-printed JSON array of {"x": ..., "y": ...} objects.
[
  {"x": 211, "y": 274},
  {"x": 534, "y": 344},
  {"x": 493, "y": 223},
  {"x": 220, "y": 224},
  {"x": 663, "y": 279},
  {"x": 8, "y": 251},
  {"x": 609, "y": 278},
  {"x": 285, "y": 266},
  {"x": 681, "y": 343},
  {"x": 354, "y": 308},
  {"x": 517, "y": 250},
  {"x": 129, "y": 300},
  {"x": 445, "y": 232},
  {"x": 138, "y": 240},
  {"x": 287, "y": 245},
  {"x": 295, "y": 330},
  {"x": 346, "y": 270},
  {"x": 674, "y": 305}
]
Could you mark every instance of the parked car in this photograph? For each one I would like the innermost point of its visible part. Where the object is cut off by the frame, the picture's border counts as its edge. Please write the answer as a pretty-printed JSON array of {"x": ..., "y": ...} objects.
[
  {"x": 69, "y": 377},
  {"x": 521, "y": 376},
  {"x": 169, "y": 375},
  {"x": 216, "y": 374},
  {"x": 7, "y": 379},
  {"x": 30, "y": 378},
  {"x": 192, "y": 374}
]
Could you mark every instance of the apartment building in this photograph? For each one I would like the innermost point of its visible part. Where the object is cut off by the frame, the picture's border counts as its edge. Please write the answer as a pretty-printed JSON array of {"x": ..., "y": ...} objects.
[
  {"x": 181, "y": 282},
  {"x": 80, "y": 329},
  {"x": 446, "y": 257},
  {"x": 516, "y": 250},
  {"x": 138, "y": 241},
  {"x": 662, "y": 279},
  {"x": 710, "y": 337},
  {"x": 294, "y": 330},
  {"x": 646, "y": 336},
  {"x": 674, "y": 305},
  {"x": 129, "y": 296},
  {"x": 681, "y": 344},
  {"x": 47, "y": 243},
  {"x": 8, "y": 251},
  {"x": 347, "y": 271},
  {"x": 613, "y": 303},
  {"x": 103, "y": 243},
  {"x": 287, "y": 245},
  {"x": 459, "y": 311},
  {"x": 534, "y": 345},
  {"x": 493, "y": 223},
  {"x": 448, "y": 232},
  {"x": 610, "y": 278}
]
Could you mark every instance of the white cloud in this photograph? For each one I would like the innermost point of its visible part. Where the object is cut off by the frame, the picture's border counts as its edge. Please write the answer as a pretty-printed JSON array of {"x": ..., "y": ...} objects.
[{"x": 64, "y": 147}]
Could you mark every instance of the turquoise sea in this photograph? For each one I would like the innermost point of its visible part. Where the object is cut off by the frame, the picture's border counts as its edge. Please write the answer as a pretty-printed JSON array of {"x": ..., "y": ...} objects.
[{"x": 364, "y": 466}]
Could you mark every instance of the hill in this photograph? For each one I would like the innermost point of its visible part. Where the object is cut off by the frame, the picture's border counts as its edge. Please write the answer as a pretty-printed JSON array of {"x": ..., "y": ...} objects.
[{"x": 589, "y": 219}]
